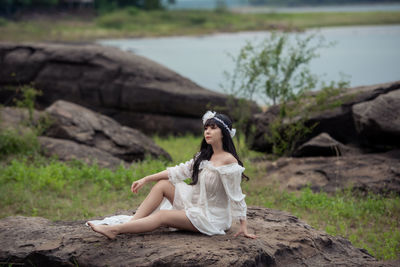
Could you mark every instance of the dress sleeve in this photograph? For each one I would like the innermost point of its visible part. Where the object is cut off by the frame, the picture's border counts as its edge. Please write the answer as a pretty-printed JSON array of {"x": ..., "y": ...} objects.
[
  {"x": 180, "y": 172},
  {"x": 231, "y": 179}
]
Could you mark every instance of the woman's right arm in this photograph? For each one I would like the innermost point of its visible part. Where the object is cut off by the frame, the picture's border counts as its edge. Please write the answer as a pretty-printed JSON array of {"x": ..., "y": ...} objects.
[
  {"x": 174, "y": 174},
  {"x": 163, "y": 175}
]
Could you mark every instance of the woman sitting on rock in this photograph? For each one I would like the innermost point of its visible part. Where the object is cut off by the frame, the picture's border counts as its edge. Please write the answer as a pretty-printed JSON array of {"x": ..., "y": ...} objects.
[{"x": 209, "y": 204}]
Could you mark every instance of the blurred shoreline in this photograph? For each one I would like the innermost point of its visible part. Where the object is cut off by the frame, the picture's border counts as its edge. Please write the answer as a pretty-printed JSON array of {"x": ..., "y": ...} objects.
[
  {"x": 319, "y": 8},
  {"x": 129, "y": 23}
]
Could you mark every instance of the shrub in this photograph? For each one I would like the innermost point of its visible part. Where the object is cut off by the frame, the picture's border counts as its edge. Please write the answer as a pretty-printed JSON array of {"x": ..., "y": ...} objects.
[
  {"x": 15, "y": 142},
  {"x": 275, "y": 71}
]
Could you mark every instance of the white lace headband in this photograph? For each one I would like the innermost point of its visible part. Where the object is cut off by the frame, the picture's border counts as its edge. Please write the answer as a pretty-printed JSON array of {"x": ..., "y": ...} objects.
[{"x": 211, "y": 115}]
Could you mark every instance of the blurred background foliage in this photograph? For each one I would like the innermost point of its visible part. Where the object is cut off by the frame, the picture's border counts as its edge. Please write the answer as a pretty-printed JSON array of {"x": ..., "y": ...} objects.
[{"x": 9, "y": 7}]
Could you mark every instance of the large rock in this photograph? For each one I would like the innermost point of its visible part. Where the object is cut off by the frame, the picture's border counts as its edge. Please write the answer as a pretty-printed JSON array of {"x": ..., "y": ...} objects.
[
  {"x": 79, "y": 133},
  {"x": 283, "y": 240},
  {"x": 378, "y": 173},
  {"x": 82, "y": 125},
  {"x": 323, "y": 145},
  {"x": 339, "y": 122},
  {"x": 378, "y": 121},
  {"x": 118, "y": 84},
  {"x": 66, "y": 150},
  {"x": 262, "y": 122}
]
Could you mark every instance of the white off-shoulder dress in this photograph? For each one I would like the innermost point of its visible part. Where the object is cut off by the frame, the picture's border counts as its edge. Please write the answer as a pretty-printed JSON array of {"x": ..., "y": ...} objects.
[{"x": 214, "y": 202}]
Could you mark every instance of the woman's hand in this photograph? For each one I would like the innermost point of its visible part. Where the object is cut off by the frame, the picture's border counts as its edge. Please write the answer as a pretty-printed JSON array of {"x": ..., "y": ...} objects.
[
  {"x": 245, "y": 233},
  {"x": 137, "y": 185},
  {"x": 243, "y": 230}
]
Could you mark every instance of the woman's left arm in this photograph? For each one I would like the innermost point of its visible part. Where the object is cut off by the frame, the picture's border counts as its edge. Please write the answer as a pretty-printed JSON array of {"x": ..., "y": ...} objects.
[
  {"x": 243, "y": 230},
  {"x": 231, "y": 181}
]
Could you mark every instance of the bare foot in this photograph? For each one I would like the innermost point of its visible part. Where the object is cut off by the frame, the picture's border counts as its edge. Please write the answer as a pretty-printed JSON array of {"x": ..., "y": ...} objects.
[{"x": 104, "y": 230}]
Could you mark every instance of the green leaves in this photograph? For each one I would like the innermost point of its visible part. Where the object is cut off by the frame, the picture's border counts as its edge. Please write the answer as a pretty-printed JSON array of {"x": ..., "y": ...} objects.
[
  {"x": 14, "y": 142},
  {"x": 275, "y": 69}
]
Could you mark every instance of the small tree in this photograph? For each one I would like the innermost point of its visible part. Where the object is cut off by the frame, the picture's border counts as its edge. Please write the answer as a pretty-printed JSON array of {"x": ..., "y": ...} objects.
[
  {"x": 275, "y": 72},
  {"x": 29, "y": 94}
]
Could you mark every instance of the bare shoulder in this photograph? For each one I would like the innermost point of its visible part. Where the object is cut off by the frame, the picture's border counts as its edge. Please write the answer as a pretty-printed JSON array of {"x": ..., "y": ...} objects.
[{"x": 229, "y": 158}]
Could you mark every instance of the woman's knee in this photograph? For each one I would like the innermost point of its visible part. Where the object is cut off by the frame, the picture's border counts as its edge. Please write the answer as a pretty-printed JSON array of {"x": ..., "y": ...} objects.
[
  {"x": 163, "y": 217},
  {"x": 160, "y": 185},
  {"x": 165, "y": 185},
  {"x": 166, "y": 188}
]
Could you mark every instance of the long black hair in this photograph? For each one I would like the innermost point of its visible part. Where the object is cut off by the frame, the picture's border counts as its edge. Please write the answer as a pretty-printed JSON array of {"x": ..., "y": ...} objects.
[{"x": 206, "y": 150}]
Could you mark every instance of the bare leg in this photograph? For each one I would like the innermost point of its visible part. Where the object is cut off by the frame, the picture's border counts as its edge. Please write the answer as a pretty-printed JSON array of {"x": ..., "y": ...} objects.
[
  {"x": 161, "y": 189},
  {"x": 171, "y": 218}
]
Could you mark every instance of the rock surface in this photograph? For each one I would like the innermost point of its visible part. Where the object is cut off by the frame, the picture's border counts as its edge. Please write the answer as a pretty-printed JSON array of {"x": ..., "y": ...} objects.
[
  {"x": 67, "y": 150},
  {"x": 84, "y": 126},
  {"x": 378, "y": 121},
  {"x": 283, "y": 240},
  {"x": 323, "y": 145},
  {"x": 17, "y": 118},
  {"x": 118, "y": 84},
  {"x": 379, "y": 173}
]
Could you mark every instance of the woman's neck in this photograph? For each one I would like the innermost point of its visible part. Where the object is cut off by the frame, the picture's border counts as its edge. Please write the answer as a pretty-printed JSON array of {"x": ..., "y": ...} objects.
[{"x": 217, "y": 148}]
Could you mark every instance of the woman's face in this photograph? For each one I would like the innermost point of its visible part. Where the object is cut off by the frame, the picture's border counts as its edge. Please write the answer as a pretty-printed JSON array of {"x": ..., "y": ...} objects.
[{"x": 212, "y": 134}]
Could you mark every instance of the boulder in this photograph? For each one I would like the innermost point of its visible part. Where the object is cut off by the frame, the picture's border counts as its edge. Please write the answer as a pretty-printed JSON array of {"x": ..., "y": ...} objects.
[
  {"x": 323, "y": 145},
  {"x": 339, "y": 122},
  {"x": 375, "y": 172},
  {"x": 76, "y": 132},
  {"x": 378, "y": 121},
  {"x": 74, "y": 122},
  {"x": 115, "y": 83},
  {"x": 66, "y": 150},
  {"x": 262, "y": 121},
  {"x": 283, "y": 240}
]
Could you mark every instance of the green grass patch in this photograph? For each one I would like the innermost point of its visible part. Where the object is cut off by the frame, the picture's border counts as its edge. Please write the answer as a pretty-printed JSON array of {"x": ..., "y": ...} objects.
[
  {"x": 69, "y": 191},
  {"x": 132, "y": 23}
]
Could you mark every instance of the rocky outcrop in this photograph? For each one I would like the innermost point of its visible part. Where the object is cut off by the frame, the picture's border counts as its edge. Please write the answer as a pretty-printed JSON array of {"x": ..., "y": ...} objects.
[
  {"x": 378, "y": 121},
  {"x": 84, "y": 126},
  {"x": 354, "y": 122},
  {"x": 378, "y": 173},
  {"x": 75, "y": 132},
  {"x": 283, "y": 240},
  {"x": 131, "y": 89},
  {"x": 353, "y": 145}
]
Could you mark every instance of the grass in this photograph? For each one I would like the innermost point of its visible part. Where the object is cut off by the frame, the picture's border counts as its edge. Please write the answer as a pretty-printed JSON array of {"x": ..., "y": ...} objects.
[
  {"x": 32, "y": 185},
  {"x": 132, "y": 23}
]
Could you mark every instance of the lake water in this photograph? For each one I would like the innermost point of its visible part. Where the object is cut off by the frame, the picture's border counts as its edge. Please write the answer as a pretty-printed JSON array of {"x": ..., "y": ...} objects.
[
  {"x": 307, "y": 9},
  {"x": 369, "y": 54},
  {"x": 244, "y": 7}
]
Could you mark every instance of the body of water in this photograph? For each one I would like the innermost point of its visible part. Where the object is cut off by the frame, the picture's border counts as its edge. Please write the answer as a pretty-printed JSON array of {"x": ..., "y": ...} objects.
[
  {"x": 368, "y": 54},
  {"x": 311, "y": 9},
  {"x": 243, "y": 6}
]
